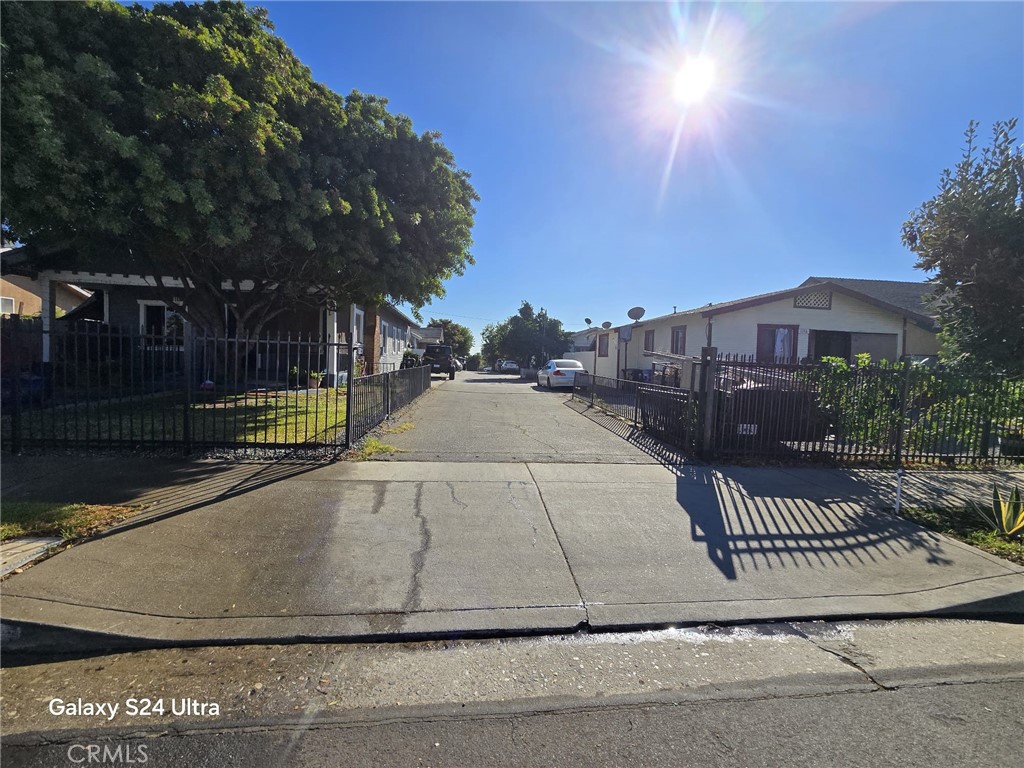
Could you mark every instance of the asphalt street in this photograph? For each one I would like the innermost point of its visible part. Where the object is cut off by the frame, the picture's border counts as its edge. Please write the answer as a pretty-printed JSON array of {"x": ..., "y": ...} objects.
[{"x": 914, "y": 692}]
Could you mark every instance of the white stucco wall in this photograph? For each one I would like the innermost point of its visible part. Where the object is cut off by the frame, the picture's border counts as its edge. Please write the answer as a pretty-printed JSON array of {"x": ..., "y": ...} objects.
[
  {"x": 662, "y": 326},
  {"x": 736, "y": 332}
]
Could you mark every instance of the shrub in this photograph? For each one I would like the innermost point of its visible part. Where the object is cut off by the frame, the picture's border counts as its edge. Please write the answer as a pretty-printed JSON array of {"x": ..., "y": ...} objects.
[{"x": 1005, "y": 516}]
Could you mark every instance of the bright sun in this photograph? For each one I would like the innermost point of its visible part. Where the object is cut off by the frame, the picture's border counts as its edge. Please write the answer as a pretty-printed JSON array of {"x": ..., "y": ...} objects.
[{"x": 694, "y": 80}]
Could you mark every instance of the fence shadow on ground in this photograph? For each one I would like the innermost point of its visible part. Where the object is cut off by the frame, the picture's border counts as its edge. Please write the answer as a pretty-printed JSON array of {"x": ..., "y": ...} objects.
[
  {"x": 747, "y": 528},
  {"x": 662, "y": 452},
  {"x": 802, "y": 525}
]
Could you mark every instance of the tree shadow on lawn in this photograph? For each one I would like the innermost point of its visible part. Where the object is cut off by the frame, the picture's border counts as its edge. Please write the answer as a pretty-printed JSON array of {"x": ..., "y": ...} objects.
[{"x": 751, "y": 519}]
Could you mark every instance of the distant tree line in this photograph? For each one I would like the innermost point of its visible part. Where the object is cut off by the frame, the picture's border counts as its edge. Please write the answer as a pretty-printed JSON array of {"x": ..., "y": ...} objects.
[{"x": 528, "y": 337}]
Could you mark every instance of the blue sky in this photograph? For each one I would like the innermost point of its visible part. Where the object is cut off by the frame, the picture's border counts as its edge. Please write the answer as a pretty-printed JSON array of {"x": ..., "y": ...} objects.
[{"x": 825, "y": 125}]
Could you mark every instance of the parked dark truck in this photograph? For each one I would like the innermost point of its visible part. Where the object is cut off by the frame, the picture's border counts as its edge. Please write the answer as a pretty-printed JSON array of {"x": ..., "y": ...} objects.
[{"x": 441, "y": 359}]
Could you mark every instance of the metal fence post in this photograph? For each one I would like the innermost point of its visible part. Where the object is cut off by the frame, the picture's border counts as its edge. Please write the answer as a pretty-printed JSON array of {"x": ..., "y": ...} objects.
[
  {"x": 387, "y": 394},
  {"x": 901, "y": 421},
  {"x": 708, "y": 374},
  {"x": 15, "y": 323},
  {"x": 186, "y": 423},
  {"x": 350, "y": 378}
]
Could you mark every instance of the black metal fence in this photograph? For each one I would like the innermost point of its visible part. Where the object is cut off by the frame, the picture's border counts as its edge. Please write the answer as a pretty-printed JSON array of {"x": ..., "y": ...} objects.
[
  {"x": 375, "y": 397},
  {"x": 830, "y": 412},
  {"x": 95, "y": 386},
  {"x": 868, "y": 414},
  {"x": 669, "y": 413}
]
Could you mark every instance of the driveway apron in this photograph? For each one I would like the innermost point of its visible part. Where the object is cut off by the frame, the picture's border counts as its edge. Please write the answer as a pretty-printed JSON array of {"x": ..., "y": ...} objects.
[{"x": 503, "y": 510}]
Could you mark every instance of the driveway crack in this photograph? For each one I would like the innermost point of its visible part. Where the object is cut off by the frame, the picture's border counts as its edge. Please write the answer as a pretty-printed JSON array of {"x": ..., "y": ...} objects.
[
  {"x": 413, "y": 596},
  {"x": 529, "y": 518},
  {"x": 455, "y": 499}
]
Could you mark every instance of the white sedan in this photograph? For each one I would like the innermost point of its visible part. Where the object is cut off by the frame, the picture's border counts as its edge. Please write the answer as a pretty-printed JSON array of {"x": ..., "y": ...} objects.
[{"x": 559, "y": 373}]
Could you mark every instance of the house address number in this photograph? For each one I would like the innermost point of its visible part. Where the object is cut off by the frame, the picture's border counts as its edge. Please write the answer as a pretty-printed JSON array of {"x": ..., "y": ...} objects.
[{"x": 746, "y": 429}]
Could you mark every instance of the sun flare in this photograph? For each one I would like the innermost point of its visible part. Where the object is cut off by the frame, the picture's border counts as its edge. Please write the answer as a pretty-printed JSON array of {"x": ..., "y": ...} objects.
[{"x": 694, "y": 80}]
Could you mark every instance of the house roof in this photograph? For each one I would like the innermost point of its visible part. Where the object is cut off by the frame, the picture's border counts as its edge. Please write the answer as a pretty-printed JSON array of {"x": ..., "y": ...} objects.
[
  {"x": 395, "y": 310},
  {"x": 910, "y": 299},
  {"x": 913, "y": 297},
  {"x": 435, "y": 335}
]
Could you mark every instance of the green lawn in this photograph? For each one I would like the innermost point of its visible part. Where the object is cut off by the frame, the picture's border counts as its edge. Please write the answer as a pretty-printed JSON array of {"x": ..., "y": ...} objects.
[
  {"x": 295, "y": 417},
  {"x": 965, "y": 525}
]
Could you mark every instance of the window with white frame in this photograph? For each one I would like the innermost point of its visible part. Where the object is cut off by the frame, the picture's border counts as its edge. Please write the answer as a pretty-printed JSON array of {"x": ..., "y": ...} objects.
[
  {"x": 358, "y": 327},
  {"x": 678, "y": 339},
  {"x": 6, "y": 305},
  {"x": 159, "y": 321}
]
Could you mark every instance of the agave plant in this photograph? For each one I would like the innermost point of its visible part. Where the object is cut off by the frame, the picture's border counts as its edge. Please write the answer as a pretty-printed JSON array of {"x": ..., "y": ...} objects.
[{"x": 1005, "y": 516}]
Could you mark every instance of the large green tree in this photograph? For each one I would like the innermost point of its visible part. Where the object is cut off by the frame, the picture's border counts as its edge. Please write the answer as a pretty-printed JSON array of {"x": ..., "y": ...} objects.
[
  {"x": 971, "y": 235},
  {"x": 188, "y": 141},
  {"x": 459, "y": 336},
  {"x": 527, "y": 337}
]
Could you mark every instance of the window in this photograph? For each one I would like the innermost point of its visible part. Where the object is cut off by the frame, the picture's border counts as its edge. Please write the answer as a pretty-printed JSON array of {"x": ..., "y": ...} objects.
[
  {"x": 6, "y": 306},
  {"x": 678, "y": 339},
  {"x": 358, "y": 327},
  {"x": 649, "y": 340},
  {"x": 776, "y": 343},
  {"x": 602, "y": 345},
  {"x": 384, "y": 338}
]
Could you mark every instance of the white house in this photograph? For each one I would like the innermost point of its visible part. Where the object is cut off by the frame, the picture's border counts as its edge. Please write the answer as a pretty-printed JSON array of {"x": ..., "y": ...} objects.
[{"x": 823, "y": 316}]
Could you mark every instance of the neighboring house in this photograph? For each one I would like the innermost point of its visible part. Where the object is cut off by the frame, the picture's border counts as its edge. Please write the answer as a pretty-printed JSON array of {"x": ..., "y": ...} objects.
[
  {"x": 133, "y": 301},
  {"x": 21, "y": 292},
  {"x": 598, "y": 351},
  {"x": 393, "y": 332},
  {"x": 823, "y": 316},
  {"x": 425, "y": 336}
]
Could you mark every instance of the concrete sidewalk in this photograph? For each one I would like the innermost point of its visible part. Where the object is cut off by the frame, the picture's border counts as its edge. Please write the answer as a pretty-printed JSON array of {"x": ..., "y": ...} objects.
[{"x": 279, "y": 551}]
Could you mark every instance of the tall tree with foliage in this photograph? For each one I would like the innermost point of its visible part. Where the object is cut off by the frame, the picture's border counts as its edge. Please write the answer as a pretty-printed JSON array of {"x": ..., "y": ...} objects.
[
  {"x": 459, "y": 336},
  {"x": 188, "y": 141},
  {"x": 971, "y": 234},
  {"x": 526, "y": 336}
]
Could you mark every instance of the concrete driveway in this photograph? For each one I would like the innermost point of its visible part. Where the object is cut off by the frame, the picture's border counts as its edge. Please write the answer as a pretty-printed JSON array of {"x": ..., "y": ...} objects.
[{"x": 507, "y": 511}]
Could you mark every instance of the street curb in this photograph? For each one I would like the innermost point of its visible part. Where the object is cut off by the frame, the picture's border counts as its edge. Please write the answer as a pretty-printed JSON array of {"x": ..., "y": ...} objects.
[{"x": 26, "y": 642}]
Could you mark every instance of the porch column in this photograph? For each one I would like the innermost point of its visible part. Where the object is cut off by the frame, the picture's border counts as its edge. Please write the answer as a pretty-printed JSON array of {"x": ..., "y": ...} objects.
[
  {"x": 49, "y": 313},
  {"x": 334, "y": 348}
]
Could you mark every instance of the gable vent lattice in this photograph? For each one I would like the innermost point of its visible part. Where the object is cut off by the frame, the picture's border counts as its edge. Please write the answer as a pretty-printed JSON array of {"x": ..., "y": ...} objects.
[{"x": 813, "y": 300}]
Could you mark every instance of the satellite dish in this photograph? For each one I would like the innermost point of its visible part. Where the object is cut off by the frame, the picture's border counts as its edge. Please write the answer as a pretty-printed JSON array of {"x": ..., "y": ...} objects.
[
  {"x": 606, "y": 325},
  {"x": 636, "y": 313},
  {"x": 588, "y": 321}
]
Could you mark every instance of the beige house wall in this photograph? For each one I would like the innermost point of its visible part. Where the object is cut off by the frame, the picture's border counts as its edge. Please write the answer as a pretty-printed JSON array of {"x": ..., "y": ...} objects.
[
  {"x": 735, "y": 332},
  {"x": 27, "y": 295},
  {"x": 597, "y": 365},
  {"x": 662, "y": 326}
]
